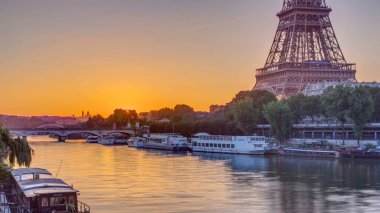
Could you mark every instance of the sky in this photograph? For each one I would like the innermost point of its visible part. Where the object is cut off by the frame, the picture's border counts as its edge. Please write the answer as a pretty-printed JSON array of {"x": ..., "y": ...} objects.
[{"x": 61, "y": 57}]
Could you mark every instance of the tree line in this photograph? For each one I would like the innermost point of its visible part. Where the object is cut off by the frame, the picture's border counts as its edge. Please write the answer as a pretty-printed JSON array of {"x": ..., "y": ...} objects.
[
  {"x": 343, "y": 103},
  {"x": 247, "y": 109}
]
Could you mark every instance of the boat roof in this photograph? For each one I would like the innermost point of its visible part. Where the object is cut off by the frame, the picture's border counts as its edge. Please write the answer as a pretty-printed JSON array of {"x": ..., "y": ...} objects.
[
  {"x": 32, "y": 187},
  {"x": 163, "y": 135},
  {"x": 203, "y": 134},
  {"x": 23, "y": 171}
]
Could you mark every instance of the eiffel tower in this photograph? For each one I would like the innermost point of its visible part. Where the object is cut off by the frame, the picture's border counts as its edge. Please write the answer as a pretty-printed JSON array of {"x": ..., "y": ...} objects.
[{"x": 305, "y": 50}]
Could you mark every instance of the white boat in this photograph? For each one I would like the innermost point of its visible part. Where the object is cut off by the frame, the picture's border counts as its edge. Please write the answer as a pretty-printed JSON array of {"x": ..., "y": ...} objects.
[
  {"x": 136, "y": 142},
  {"x": 113, "y": 140},
  {"x": 252, "y": 145},
  {"x": 172, "y": 142},
  {"x": 131, "y": 142},
  {"x": 92, "y": 139}
]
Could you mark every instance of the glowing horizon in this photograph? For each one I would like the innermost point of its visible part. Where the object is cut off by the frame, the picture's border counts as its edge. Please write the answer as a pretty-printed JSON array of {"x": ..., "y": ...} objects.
[{"x": 62, "y": 58}]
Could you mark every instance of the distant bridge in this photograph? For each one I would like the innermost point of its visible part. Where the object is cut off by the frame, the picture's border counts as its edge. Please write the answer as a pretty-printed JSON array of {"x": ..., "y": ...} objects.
[{"x": 63, "y": 134}]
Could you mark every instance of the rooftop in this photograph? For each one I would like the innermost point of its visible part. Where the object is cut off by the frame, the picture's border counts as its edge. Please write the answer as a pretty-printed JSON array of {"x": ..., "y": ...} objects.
[{"x": 34, "y": 181}]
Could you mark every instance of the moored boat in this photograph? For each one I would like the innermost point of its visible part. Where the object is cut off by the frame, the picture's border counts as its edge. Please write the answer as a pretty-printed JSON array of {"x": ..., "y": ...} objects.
[
  {"x": 131, "y": 142},
  {"x": 38, "y": 191},
  {"x": 113, "y": 139},
  {"x": 304, "y": 152},
  {"x": 136, "y": 142},
  {"x": 92, "y": 139},
  {"x": 360, "y": 153},
  {"x": 172, "y": 142},
  {"x": 253, "y": 145}
]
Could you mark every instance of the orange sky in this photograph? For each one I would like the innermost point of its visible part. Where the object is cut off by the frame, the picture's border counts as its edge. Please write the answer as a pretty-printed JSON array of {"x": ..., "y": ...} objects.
[{"x": 59, "y": 58}]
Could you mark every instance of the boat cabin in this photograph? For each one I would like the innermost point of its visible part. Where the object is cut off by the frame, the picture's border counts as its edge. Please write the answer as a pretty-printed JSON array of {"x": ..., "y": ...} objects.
[{"x": 39, "y": 191}]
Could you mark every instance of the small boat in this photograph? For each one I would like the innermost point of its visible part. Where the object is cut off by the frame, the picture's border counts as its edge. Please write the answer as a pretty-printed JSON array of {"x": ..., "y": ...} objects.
[
  {"x": 114, "y": 139},
  {"x": 92, "y": 139},
  {"x": 131, "y": 142},
  {"x": 172, "y": 142},
  {"x": 360, "y": 153},
  {"x": 251, "y": 145},
  {"x": 307, "y": 152},
  {"x": 37, "y": 190},
  {"x": 137, "y": 142}
]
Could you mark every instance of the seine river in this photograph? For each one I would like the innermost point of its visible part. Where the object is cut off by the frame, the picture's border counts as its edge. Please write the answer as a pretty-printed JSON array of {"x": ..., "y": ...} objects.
[{"x": 123, "y": 179}]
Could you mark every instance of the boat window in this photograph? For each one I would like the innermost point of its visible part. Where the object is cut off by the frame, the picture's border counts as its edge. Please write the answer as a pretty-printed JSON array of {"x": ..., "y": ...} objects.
[
  {"x": 203, "y": 144},
  {"x": 44, "y": 201},
  {"x": 223, "y": 145},
  {"x": 228, "y": 145},
  {"x": 258, "y": 145},
  {"x": 215, "y": 145},
  {"x": 233, "y": 146},
  {"x": 219, "y": 145},
  {"x": 206, "y": 144},
  {"x": 195, "y": 144},
  {"x": 72, "y": 200},
  {"x": 56, "y": 201},
  {"x": 27, "y": 177}
]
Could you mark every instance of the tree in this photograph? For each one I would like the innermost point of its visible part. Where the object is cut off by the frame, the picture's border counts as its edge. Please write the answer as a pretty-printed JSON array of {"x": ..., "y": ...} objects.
[
  {"x": 245, "y": 115},
  {"x": 163, "y": 113},
  {"x": 296, "y": 104},
  {"x": 182, "y": 109},
  {"x": 96, "y": 122},
  {"x": 13, "y": 151},
  {"x": 260, "y": 99},
  {"x": 216, "y": 108},
  {"x": 241, "y": 96},
  {"x": 361, "y": 109},
  {"x": 312, "y": 107},
  {"x": 375, "y": 93},
  {"x": 336, "y": 102},
  {"x": 280, "y": 118},
  {"x": 376, "y": 114},
  {"x": 122, "y": 117}
]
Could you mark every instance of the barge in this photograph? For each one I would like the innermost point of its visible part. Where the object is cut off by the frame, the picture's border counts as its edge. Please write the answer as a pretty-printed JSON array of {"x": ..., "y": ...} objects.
[
  {"x": 40, "y": 192},
  {"x": 308, "y": 152},
  {"x": 360, "y": 154}
]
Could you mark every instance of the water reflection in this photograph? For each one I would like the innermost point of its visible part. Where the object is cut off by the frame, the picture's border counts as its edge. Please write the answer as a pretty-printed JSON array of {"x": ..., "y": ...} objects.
[
  {"x": 123, "y": 179},
  {"x": 240, "y": 163}
]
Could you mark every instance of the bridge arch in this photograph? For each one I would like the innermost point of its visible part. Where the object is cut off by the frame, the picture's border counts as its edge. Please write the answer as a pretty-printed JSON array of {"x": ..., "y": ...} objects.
[
  {"x": 50, "y": 126},
  {"x": 82, "y": 132}
]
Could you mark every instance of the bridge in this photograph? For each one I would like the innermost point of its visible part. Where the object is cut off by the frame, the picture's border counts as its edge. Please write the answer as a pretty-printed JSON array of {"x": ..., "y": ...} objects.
[{"x": 63, "y": 134}]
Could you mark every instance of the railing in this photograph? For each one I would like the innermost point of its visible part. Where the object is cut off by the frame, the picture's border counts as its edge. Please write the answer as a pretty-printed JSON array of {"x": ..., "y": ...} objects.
[
  {"x": 83, "y": 208},
  {"x": 11, "y": 204},
  {"x": 312, "y": 65}
]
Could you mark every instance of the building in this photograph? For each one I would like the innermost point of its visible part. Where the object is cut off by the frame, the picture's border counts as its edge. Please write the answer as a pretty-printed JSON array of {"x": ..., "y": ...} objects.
[
  {"x": 318, "y": 88},
  {"x": 331, "y": 132},
  {"x": 305, "y": 50}
]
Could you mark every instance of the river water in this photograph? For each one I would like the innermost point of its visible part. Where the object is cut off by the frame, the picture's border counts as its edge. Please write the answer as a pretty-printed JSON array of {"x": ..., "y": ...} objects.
[{"x": 122, "y": 179}]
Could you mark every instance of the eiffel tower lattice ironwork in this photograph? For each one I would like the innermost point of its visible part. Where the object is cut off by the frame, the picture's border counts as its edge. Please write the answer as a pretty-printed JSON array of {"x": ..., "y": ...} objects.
[{"x": 305, "y": 50}]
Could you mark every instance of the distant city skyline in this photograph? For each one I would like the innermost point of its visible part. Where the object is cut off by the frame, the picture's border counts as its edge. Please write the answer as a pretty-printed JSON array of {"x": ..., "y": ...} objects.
[{"x": 59, "y": 57}]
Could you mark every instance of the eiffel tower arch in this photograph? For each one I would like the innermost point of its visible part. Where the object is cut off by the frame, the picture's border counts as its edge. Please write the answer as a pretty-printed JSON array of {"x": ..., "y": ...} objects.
[{"x": 304, "y": 50}]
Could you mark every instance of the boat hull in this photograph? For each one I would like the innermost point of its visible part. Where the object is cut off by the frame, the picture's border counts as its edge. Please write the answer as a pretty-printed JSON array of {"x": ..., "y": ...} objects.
[
  {"x": 165, "y": 147},
  {"x": 308, "y": 153},
  {"x": 256, "y": 152},
  {"x": 360, "y": 155}
]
